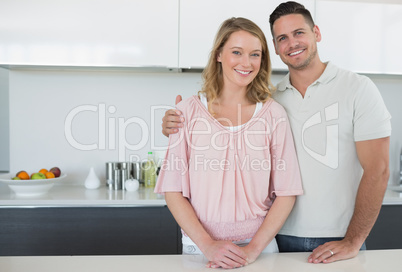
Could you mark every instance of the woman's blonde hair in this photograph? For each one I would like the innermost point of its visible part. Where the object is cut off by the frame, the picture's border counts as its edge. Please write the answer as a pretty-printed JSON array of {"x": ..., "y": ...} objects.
[{"x": 261, "y": 88}]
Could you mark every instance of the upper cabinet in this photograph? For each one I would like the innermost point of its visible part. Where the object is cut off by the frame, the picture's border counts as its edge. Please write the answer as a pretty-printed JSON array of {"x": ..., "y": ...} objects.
[
  {"x": 200, "y": 20},
  {"x": 361, "y": 36},
  {"x": 133, "y": 33}
]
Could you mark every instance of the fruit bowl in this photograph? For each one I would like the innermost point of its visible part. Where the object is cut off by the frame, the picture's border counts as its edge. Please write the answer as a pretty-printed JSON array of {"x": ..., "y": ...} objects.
[{"x": 30, "y": 187}]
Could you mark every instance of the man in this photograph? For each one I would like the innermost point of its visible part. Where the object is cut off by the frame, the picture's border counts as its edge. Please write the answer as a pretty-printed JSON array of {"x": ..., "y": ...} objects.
[{"x": 341, "y": 130}]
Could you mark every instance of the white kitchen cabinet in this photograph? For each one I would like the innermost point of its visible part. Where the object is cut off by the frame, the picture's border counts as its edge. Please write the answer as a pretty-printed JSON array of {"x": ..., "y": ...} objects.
[
  {"x": 361, "y": 36},
  {"x": 132, "y": 33},
  {"x": 200, "y": 20}
]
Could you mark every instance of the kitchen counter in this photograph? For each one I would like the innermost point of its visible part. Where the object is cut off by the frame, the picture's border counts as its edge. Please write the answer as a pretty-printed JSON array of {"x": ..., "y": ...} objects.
[
  {"x": 66, "y": 195},
  {"x": 73, "y": 220},
  {"x": 137, "y": 214},
  {"x": 370, "y": 260},
  {"x": 393, "y": 196},
  {"x": 78, "y": 196}
]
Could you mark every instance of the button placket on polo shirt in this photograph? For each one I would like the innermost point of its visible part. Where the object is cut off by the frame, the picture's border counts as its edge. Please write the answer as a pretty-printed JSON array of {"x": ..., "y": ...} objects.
[{"x": 305, "y": 107}]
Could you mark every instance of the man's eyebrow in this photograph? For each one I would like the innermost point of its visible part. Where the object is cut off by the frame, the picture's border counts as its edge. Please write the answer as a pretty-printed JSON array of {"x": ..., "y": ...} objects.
[
  {"x": 293, "y": 31},
  {"x": 296, "y": 30}
]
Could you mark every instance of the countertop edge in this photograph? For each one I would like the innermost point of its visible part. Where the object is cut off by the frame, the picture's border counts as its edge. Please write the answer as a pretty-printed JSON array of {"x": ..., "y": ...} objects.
[{"x": 78, "y": 196}]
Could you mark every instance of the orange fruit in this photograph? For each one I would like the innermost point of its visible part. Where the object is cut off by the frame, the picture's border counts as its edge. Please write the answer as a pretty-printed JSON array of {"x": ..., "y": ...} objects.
[
  {"x": 49, "y": 175},
  {"x": 23, "y": 175},
  {"x": 43, "y": 171}
]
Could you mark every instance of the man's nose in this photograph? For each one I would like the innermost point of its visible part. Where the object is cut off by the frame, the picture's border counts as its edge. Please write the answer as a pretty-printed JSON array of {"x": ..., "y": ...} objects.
[{"x": 293, "y": 42}]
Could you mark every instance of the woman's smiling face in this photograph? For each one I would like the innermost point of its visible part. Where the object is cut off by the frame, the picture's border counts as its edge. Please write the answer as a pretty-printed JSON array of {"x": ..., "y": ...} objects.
[{"x": 241, "y": 59}]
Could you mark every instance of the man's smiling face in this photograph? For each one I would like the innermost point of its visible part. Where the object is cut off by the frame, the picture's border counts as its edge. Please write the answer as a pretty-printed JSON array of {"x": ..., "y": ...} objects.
[{"x": 296, "y": 41}]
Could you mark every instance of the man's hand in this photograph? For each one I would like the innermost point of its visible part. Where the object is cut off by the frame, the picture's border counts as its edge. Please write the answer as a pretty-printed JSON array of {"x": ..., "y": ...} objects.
[
  {"x": 374, "y": 158},
  {"x": 334, "y": 251},
  {"x": 172, "y": 120}
]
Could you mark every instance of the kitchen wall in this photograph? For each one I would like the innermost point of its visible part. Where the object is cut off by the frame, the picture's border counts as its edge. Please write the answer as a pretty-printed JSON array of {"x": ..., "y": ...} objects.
[
  {"x": 391, "y": 90},
  {"x": 4, "y": 121},
  {"x": 78, "y": 119}
]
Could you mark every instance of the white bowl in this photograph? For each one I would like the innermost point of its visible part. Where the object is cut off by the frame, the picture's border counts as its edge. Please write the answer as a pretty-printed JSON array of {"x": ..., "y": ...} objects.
[{"x": 30, "y": 187}]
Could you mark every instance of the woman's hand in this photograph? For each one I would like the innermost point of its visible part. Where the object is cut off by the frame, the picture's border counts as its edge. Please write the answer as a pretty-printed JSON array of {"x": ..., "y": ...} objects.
[
  {"x": 252, "y": 253},
  {"x": 224, "y": 254}
]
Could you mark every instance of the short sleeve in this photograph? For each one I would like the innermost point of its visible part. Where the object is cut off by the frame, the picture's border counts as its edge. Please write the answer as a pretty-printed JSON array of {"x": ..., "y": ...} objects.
[
  {"x": 285, "y": 171},
  {"x": 174, "y": 175},
  {"x": 371, "y": 119}
]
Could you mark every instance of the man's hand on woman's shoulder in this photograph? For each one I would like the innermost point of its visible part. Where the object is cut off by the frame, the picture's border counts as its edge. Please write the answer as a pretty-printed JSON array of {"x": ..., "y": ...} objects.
[{"x": 172, "y": 120}]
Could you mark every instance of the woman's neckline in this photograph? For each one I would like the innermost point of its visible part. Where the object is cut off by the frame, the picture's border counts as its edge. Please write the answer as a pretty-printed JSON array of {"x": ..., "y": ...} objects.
[{"x": 242, "y": 126}]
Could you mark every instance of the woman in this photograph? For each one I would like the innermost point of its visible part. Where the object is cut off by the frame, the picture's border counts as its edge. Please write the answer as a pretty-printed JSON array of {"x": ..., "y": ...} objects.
[{"x": 234, "y": 159}]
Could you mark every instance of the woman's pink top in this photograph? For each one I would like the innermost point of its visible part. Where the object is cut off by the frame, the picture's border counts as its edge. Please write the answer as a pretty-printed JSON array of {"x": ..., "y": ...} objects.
[{"x": 231, "y": 178}]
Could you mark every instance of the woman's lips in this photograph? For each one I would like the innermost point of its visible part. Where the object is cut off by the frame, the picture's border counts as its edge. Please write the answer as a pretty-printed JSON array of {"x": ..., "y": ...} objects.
[{"x": 243, "y": 72}]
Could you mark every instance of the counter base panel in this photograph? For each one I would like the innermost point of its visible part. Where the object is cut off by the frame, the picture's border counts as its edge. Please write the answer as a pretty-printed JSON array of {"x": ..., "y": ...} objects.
[{"x": 88, "y": 231}]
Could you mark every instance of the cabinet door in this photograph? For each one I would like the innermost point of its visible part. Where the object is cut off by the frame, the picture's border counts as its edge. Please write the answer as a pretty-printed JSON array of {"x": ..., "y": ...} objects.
[
  {"x": 200, "y": 20},
  {"x": 386, "y": 233},
  {"x": 360, "y": 36},
  {"x": 88, "y": 231},
  {"x": 89, "y": 32}
]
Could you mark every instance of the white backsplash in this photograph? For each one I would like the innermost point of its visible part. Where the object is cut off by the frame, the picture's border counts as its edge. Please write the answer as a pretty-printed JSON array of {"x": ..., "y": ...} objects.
[
  {"x": 79, "y": 119},
  {"x": 76, "y": 120},
  {"x": 4, "y": 121}
]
